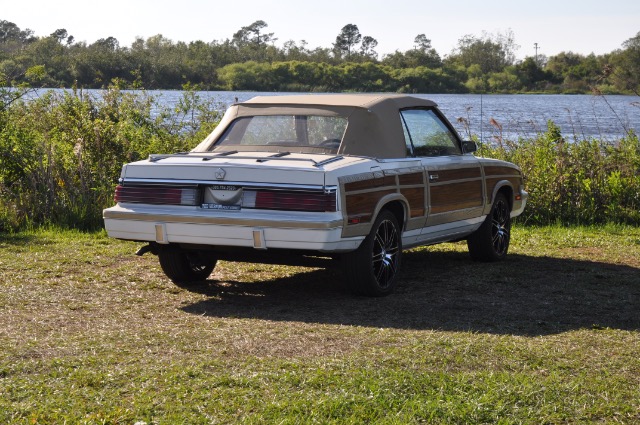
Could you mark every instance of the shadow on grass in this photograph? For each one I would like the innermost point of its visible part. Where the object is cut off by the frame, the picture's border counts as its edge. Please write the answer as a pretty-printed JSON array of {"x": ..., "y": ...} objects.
[
  {"x": 446, "y": 291},
  {"x": 19, "y": 239}
]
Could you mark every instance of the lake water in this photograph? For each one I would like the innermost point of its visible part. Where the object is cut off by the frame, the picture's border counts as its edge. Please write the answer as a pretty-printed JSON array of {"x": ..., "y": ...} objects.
[
  {"x": 510, "y": 116},
  {"x": 519, "y": 115}
]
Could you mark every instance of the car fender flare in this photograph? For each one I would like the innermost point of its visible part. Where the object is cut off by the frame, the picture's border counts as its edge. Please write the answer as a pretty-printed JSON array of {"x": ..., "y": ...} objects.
[
  {"x": 386, "y": 200},
  {"x": 497, "y": 188},
  {"x": 363, "y": 229}
]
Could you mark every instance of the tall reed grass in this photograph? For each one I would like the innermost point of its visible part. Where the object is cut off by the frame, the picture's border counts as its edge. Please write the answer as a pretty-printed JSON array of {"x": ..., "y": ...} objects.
[{"x": 61, "y": 155}]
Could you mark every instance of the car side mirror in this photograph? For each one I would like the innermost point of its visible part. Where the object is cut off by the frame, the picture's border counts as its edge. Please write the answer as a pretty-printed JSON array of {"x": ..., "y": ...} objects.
[{"x": 469, "y": 146}]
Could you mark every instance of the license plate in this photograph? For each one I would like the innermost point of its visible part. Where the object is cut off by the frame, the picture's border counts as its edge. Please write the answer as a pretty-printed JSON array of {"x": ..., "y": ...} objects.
[
  {"x": 221, "y": 207},
  {"x": 224, "y": 187}
]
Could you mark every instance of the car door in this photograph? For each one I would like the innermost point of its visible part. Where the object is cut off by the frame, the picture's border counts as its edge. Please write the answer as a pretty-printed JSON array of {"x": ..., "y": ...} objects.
[{"x": 454, "y": 180}]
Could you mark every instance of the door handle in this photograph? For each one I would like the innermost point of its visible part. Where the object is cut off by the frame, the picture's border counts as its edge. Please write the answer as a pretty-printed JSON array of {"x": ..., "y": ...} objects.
[{"x": 433, "y": 177}]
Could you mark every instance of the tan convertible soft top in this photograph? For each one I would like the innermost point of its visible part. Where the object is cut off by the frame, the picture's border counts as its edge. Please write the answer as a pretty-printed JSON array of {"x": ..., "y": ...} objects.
[{"x": 374, "y": 128}]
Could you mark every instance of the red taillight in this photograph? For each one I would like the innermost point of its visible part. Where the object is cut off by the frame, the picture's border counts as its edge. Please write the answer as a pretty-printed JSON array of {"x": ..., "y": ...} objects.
[
  {"x": 295, "y": 201},
  {"x": 157, "y": 195}
]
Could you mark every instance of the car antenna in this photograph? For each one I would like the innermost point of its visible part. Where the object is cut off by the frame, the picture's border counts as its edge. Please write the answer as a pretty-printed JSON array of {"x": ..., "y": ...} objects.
[{"x": 481, "y": 118}]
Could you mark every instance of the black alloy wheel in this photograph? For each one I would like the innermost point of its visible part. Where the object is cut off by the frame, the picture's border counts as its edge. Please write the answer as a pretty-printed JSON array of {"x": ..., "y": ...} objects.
[
  {"x": 500, "y": 226},
  {"x": 372, "y": 269},
  {"x": 491, "y": 241}
]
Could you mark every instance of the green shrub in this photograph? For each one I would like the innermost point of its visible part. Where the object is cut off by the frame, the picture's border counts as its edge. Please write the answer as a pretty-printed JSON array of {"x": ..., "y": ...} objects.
[
  {"x": 61, "y": 153},
  {"x": 580, "y": 182}
]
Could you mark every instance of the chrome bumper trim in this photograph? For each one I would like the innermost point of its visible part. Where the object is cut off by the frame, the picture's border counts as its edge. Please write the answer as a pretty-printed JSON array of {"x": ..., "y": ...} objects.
[{"x": 225, "y": 221}]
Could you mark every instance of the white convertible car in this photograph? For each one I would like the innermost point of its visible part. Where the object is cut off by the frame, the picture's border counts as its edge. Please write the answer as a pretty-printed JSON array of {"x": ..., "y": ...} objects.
[{"x": 302, "y": 177}]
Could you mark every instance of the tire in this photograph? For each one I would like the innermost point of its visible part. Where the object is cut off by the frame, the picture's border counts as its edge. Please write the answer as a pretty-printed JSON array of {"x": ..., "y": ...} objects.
[
  {"x": 185, "y": 268},
  {"x": 373, "y": 268},
  {"x": 491, "y": 241}
]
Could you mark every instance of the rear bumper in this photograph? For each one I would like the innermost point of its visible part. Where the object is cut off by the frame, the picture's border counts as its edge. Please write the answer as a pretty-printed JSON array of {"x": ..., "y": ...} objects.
[{"x": 257, "y": 229}]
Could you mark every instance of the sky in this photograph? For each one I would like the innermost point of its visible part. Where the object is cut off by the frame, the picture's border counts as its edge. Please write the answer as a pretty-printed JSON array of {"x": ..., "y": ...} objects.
[{"x": 582, "y": 26}]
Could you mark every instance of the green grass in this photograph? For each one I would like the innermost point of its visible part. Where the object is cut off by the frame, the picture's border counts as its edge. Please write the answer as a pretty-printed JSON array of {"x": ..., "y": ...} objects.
[{"x": 89, "y": 333}]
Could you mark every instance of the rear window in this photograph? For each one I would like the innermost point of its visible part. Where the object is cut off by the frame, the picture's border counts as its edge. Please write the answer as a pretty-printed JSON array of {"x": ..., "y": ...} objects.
[{"x": 298, "y": 131}]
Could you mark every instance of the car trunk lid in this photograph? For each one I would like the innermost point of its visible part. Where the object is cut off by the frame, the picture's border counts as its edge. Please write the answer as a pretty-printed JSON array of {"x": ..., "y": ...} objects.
[{"x": 244, "y": 167}]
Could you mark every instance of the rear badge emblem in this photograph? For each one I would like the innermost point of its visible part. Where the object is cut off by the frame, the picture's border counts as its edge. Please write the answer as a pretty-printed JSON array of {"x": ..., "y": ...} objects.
[{"x": 220, "y": 173}]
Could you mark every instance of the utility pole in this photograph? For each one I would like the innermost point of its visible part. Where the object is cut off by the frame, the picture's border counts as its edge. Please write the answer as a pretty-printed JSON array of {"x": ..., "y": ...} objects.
[{"x": 535, "y": 46}]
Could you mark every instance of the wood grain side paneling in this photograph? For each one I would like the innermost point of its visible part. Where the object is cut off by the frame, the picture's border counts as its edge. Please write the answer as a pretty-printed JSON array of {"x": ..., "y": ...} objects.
[
  {"x": 415, "y": 197},
  {"x": 500, "y": 171},
  {"x": 362, "y": 197},
  {"x": 371, "y": 183},
  {"x": 455, "y": 196},
  {"x": 456, "y": 174},
  {"x": 411, "y": 179},
  {"x": 363, "y": 204}
]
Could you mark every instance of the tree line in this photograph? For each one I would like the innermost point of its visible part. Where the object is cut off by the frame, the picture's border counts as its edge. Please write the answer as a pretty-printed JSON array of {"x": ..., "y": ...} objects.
[{"x": 250, "y": 60}]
